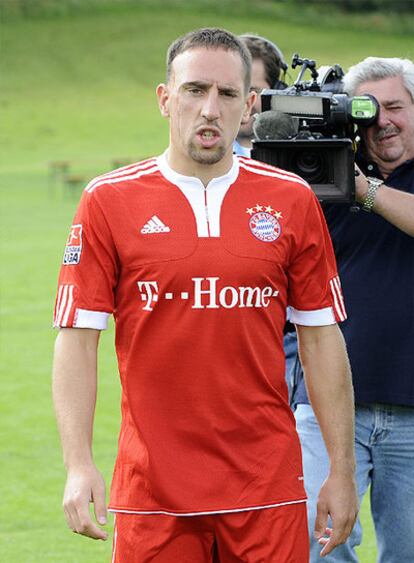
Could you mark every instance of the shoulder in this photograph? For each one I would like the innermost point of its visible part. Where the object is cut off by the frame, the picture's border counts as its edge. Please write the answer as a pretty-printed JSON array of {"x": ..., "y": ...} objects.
[
  {"x": 123, "y": 177},
  {"x": 272, "y": 175}
]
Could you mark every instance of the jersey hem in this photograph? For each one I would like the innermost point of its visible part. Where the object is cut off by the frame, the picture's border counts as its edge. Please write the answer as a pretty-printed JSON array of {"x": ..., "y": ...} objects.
[
  {"x": 91, "y": 319},
  {"x": 205, "y": 512},
  {"x": 316, "y": 317}
]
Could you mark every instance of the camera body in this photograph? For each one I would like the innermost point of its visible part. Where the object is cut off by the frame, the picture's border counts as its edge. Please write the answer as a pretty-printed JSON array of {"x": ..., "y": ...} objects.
[
  {"x": 326, "y": 164},
  {"x": 310, "y": 129}
]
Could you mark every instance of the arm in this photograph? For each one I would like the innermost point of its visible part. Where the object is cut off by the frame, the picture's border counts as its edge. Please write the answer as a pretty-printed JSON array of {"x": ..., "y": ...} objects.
[
  {"x": 74, "y": 396},
  {"x": 394, "y": 206},
  {"x": 328, "y": 381}
]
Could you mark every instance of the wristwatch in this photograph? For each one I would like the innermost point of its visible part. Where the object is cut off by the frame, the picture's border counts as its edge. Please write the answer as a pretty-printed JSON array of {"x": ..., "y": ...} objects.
[{"x": 373, "y": 185}]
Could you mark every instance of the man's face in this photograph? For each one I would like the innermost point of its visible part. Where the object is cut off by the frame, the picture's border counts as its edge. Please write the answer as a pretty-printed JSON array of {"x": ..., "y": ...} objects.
[
  {"x": 258, "y": 83},
  {"x": 205, "y": 101},
  {"x": 390, "y": 142}
]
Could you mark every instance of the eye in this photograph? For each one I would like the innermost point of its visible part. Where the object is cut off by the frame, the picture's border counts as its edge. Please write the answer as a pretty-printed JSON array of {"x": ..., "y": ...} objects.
[
  {"x": 228, "y": 93},
  {"x": 194, "y": 91}
]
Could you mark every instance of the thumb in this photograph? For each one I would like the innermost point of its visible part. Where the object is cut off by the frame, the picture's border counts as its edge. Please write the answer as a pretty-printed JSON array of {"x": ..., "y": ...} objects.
[{"x": 99, "y": 503}]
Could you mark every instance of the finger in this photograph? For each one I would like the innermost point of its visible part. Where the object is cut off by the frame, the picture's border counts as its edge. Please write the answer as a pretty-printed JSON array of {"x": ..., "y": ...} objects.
[
  {"x": 71, "y": 513},
  {"x": 327, "y": 532},
  {"x": 87, "y": 527},
  {"x": 69, "y": 519},
  {"x": 328, "y": 547},
  {"x": 325, "y": 539},
  {"x": 79, "y": 519},
  {"x": 321, "y": 521},
  {"x": 334, "y": 539}
]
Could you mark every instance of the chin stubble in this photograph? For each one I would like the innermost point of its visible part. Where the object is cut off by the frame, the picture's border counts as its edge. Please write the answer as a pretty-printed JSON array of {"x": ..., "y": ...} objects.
[{"x": 206, "y": 156}]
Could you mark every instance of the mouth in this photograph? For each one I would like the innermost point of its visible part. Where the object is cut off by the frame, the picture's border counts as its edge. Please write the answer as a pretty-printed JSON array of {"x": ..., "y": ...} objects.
[
  {"x": 386, "y": 135},
  {"x": 208, "y": 136}
]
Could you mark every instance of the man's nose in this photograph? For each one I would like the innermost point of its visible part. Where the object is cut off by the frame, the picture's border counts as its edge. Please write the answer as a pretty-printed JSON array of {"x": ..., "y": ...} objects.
[
  {"x": 383, "y": 118},
  {"x": 210, "y": 109}
]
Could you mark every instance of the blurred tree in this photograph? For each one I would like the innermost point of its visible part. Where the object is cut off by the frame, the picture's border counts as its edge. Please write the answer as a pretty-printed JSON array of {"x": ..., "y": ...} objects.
[{"x": 365, "y": 5}]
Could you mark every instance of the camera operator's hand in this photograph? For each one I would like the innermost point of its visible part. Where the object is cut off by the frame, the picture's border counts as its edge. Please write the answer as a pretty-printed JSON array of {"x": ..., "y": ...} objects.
[{"x": 361, "y": 185}]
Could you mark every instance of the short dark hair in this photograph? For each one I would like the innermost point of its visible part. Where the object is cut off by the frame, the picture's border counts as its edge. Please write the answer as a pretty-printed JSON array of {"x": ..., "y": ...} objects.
[
  {"x": 266, "y": 51},
  {"x": 211, "y": 38}
]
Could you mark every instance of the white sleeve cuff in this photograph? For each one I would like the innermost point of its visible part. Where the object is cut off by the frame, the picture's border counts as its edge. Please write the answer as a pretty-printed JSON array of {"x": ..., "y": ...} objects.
[
  {"x": 91, "y": 319},
  {"x": 318, "y": 317}
]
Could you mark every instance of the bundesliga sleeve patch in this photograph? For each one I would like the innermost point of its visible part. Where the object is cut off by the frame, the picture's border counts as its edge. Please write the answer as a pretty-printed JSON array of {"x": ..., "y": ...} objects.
[{"x": 73, "y": 248}]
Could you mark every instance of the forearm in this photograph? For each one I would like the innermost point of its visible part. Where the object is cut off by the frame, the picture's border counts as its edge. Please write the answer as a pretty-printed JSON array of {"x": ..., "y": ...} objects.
[
  {"x": 74, "y": 392},
  {"x": 393, "y": 205},
  {"x": 329, "y": 385},
  {"x": 328, "y": 380},
  {"x": 396, "y": 207}
]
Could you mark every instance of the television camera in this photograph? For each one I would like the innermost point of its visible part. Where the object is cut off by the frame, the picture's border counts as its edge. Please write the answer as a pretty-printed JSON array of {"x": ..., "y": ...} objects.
[{"x": 310, "y": 129}]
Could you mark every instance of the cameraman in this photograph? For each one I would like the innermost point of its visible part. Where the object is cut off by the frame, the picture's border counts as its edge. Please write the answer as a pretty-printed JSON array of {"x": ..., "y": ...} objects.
[
  {"x": 267, "y": 66},
  {"x": 375, "y": 254}
]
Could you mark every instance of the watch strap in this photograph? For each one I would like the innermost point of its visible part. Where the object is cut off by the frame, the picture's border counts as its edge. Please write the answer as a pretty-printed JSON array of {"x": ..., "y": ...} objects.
[{"x": 373, "y": 185}]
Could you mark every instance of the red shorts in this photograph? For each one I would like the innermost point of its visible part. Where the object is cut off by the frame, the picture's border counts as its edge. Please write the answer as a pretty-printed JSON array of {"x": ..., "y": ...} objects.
[{"x": 270, "y": 535}]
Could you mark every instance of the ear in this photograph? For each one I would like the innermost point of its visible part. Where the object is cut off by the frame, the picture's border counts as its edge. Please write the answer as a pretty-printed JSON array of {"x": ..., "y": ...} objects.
[
  {"x": 249, "y": 103},
  {"x": 163, "y": 99}
]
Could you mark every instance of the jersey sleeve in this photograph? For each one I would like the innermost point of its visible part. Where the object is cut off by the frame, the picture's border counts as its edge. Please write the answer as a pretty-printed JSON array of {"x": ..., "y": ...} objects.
[
  {"x": 315, "y": 295},
  {"x": 88, "y": 275}
]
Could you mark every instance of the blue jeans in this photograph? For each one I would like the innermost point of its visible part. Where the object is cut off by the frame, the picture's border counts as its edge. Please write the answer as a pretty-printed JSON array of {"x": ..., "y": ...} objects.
[
  {"x": 293, "y": 368},
  {"x": 384, "y": 447}
]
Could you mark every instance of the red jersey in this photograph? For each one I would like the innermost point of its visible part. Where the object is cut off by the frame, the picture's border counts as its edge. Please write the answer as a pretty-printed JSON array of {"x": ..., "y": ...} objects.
[{"x": 198, "y": 280}]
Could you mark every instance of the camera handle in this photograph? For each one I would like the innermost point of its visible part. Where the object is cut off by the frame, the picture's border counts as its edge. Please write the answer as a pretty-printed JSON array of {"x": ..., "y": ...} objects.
[{"x": 305, "y": 64}]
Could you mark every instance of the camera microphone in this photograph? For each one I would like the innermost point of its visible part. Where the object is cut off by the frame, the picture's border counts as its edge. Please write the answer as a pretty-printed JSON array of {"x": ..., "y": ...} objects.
[{"x": 274, "y": 125}]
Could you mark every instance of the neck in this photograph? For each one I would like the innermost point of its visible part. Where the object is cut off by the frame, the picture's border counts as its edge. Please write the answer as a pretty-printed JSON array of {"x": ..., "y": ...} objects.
[
  {"x": 204, "y": 172},
  {"x": 245, "y": 142},
  {"x": 386, "y": 168}
]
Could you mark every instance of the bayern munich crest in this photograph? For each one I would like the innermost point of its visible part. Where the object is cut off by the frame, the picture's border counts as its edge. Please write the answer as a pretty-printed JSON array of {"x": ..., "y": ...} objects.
[{"x": 263, "y": 222}]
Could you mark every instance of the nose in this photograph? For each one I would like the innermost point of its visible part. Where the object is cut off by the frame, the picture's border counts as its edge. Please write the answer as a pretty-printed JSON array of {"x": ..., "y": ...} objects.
[
  {"x": 211, "y": 108},
  {"x": 383, "y": 118}
]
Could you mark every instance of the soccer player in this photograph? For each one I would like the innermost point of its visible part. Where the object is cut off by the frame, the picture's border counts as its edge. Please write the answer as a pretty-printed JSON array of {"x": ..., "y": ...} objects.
[{"x": 197, "y": 253}]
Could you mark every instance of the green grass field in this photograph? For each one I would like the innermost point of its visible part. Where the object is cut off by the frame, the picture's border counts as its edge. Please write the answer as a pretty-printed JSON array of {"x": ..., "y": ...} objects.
[{"x": 81, "y": 88}]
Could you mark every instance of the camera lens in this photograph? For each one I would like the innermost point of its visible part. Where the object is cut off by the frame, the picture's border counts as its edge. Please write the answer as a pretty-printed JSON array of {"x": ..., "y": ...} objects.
[{"x": 311, "y": 165}]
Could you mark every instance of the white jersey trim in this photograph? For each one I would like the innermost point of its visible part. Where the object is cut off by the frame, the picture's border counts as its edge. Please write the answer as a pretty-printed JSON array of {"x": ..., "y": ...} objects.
[
  {"x": 205, "y": 201},
  {"x": 263, "y": 165},
  {"x": 64, "y": 305},
  {"x": 317, "y": 317},
  {"x": 206, "y": 513},
  {"x": 128, "y": 174},
  {"x": 124, "y": 171},
  {"x": 272, "y": 172},
  {"x": 91, "y": 319},
  {"x": 336, "y": 290},
  {"x": 115, "y": 541}
]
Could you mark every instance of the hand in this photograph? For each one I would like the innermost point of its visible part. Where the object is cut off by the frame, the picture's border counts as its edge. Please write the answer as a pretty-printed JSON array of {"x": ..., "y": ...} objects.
[
  {"x": 337, "y": 498},
  {"x": 361, "y": 185},
  {"x": 85, "y": 485}
]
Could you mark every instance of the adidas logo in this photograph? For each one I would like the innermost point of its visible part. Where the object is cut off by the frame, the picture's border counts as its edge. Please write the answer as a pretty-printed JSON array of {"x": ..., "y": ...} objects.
[{"x": 154, "y": 225}]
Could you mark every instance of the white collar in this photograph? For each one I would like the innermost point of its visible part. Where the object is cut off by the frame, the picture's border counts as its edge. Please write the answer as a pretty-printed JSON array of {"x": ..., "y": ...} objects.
[
  {"x": 180, "y": 180},
  {"x": 205, "y": 201}
]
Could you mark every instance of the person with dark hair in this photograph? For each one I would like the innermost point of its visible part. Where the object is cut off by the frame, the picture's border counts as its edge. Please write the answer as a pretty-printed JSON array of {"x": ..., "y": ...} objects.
[
  {"x": 268, "y": 66},
  {"x": 197, "y": 253},
  {"x": 375, "y": 253}
]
